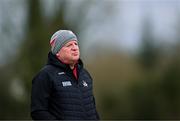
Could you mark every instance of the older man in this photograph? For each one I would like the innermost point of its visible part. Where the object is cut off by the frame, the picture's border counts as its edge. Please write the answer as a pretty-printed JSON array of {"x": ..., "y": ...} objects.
[{"x": 63, "y": 88}]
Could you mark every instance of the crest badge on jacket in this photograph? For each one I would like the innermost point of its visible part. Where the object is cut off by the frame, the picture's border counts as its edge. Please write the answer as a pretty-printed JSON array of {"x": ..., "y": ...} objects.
[{"x": 85, "y": 84}]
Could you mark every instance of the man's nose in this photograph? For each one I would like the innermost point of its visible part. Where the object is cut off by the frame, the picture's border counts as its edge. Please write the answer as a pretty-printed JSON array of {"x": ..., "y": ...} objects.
[{"x": 75, "y": 47}]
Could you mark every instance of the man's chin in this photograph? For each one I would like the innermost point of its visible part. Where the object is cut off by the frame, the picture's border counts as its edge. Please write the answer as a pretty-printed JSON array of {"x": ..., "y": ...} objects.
[{"x": 75, "y": 58}]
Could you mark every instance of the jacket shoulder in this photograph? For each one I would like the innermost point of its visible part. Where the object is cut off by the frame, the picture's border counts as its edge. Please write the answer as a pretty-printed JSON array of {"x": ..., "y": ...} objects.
[
  {"x": 47, "y": 68},
  {"x": 86, "y": 73},
  {"x": 50, "y": 69},
  {"x": 43, "y": 73}
]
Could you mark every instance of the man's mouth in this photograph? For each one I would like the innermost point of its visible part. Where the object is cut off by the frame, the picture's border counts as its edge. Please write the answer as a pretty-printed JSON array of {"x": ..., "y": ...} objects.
[{"x": 75, "y": 54}]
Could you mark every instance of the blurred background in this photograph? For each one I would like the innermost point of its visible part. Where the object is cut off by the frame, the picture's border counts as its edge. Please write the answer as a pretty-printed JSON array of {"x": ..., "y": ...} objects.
[{"x": 130, "y": 47}]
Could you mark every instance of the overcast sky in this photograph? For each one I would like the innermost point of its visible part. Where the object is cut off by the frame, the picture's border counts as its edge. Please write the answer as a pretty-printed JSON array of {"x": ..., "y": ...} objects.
[{"x": 124, "y": 29}]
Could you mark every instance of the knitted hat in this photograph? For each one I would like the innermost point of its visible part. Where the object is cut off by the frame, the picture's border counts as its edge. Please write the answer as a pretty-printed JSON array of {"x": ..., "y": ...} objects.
[{"x": 60, "y": 38}]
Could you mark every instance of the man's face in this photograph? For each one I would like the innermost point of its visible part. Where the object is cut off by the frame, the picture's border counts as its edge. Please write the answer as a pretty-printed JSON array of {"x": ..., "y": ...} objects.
[{"x": 69, "y": 53}]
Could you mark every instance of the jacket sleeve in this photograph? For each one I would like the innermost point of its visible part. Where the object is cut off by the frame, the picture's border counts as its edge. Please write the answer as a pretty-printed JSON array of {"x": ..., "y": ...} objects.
[
  {"x": 97, "y": 115},
  {"x": 40, "y": 94}
]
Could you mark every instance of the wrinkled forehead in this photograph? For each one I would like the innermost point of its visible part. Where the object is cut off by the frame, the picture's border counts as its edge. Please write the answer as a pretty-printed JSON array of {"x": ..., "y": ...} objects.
[{"x": 73, "y": 42}]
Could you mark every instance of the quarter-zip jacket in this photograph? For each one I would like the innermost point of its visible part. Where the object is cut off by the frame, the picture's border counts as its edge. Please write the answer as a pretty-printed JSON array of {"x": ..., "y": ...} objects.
[{"x": 56, "y": 94}]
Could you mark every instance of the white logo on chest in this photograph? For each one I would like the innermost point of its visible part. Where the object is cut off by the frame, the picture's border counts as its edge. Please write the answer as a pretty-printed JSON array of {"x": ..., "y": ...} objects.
[
  {"x": 85, "y": 84},
  {"x": 66, "y": 83},
  {"x": 60, "y": 73}
]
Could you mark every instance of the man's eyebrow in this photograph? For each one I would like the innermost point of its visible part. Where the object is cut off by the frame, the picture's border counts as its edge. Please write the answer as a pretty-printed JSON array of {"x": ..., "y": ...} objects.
[{"x": 68, "y": 44}]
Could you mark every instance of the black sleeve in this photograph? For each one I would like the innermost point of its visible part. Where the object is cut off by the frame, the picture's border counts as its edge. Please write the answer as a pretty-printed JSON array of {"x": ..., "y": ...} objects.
[
  {"x": 40, "y": 94},
  {"x": 97, "y": 115}
]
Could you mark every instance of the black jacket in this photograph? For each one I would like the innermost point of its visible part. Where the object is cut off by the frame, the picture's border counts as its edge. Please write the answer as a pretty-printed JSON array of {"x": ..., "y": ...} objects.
[{"x": 56, "y": 94}]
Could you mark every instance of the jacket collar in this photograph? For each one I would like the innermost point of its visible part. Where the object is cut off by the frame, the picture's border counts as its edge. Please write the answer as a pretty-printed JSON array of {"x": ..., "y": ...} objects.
[{"x": 53, "y": 60}]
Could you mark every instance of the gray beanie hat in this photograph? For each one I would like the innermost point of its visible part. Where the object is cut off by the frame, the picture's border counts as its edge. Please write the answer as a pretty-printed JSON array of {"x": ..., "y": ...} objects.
[{"x": 60, "y": 38}]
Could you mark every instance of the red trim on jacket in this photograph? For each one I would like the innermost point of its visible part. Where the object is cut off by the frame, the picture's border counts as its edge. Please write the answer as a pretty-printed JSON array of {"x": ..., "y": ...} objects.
[{"x": 75, "y": 72}]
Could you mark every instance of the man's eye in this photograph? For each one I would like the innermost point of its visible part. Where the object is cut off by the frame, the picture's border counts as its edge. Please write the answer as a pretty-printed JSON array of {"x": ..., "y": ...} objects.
[{"x": 68, "y": 45}]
